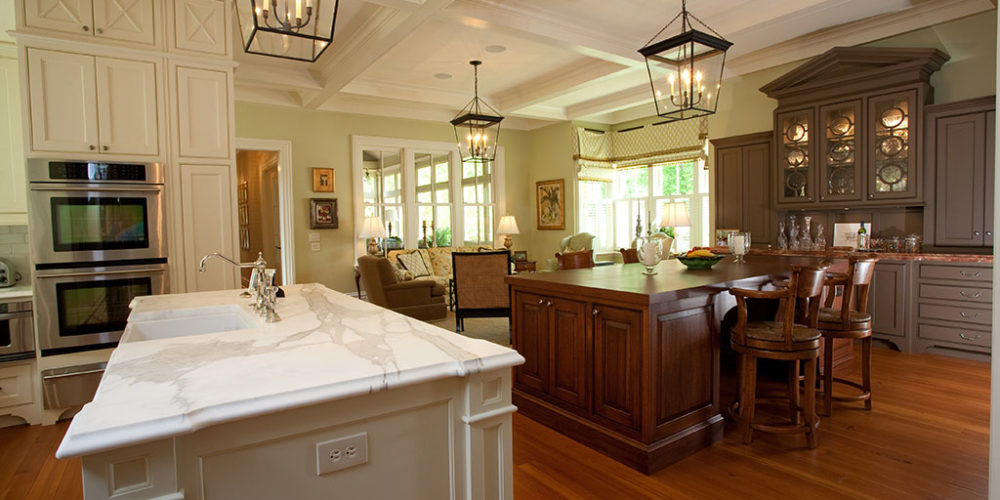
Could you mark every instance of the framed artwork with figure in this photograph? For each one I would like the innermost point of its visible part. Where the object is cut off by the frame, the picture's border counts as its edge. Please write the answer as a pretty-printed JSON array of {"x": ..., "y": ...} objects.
[
  {"x": 323, "y": 213},
  {"x": 551, "y": 204},
  {"x": 323, "y": 180}
]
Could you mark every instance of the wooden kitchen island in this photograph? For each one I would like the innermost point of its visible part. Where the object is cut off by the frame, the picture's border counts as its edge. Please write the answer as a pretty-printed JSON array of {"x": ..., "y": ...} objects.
[{"x": 625, "y": 363}]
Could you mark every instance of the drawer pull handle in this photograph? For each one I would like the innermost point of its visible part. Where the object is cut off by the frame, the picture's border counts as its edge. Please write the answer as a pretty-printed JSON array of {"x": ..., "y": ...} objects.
[
  {"x": 541, "y": 301},
  {"x": 969, "y": 295},
  {"x": 965, "y": 315},
  {"x": 548, "y": 303},
  {"x": 972, "y": 275},
  {"x": 971, "y": 338}
]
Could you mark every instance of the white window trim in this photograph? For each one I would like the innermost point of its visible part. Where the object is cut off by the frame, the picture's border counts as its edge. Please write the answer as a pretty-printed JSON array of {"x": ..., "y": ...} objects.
[{"x": 408, "y": 149}]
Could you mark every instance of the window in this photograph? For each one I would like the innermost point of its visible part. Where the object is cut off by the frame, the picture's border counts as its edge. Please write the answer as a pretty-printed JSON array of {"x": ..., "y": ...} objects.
[
  {"x": 615, "y": 209},
  {"x": 424, "y": 194}
]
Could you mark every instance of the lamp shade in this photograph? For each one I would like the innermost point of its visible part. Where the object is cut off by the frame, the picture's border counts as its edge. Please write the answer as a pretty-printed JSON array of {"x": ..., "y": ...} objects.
[
  {"x": 372, "y": 227},
  {"x": 508, "y": 225},
  {"x": 675, "y": 214}
]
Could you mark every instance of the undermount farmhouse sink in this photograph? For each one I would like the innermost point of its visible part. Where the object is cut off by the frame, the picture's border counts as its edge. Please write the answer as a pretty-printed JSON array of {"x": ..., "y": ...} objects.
[{"x": 197, "y": 322}]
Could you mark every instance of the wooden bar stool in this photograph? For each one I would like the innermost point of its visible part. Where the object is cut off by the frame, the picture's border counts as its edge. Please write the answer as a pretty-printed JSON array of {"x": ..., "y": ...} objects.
[
  {"x": 851, "y": 321},
  {"x": 794, "y": 339}
]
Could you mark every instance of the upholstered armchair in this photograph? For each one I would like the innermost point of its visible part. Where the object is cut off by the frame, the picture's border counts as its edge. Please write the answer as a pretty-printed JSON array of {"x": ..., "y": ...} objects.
[
  {"x": 421, "y": 299},
  {"x": 480, "y": 287},
  {"x": 577, "y": 242}
]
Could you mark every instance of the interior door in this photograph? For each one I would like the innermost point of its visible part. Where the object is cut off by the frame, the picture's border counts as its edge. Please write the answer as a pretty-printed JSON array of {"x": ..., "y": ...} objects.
[{"x": 271, "y": 219}]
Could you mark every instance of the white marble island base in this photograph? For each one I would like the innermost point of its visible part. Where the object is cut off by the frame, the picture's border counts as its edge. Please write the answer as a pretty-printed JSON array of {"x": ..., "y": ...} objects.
[{"x": 434, "y": 408}]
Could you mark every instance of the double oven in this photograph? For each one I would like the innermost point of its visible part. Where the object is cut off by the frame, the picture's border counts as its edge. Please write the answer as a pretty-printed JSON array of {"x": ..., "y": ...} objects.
[{"x": 97, "y": 242}]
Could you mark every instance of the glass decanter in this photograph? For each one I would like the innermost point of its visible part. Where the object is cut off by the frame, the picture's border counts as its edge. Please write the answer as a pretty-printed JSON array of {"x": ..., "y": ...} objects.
[{"x": 650, "y": 252}]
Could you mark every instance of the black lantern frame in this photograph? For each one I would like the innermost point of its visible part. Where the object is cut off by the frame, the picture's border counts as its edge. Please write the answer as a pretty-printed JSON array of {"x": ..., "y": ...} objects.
[
  {"x": 685, "y": 70},
  {"x": 474, "y": 125},
  {"x": 268, "y": 31}
]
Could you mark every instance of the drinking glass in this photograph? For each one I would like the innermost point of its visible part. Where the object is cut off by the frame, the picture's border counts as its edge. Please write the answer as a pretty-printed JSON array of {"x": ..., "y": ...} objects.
[{"x": 739, "y": 245}]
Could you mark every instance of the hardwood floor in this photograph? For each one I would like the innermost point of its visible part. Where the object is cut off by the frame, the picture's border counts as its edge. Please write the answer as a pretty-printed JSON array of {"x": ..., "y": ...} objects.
[{"x": 926, "y": 437}]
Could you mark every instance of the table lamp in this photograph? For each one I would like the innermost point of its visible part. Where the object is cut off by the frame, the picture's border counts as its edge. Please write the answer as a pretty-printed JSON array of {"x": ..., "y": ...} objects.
[
  {"x": 507, "y": 227},
  {"x": 675, "y": 213},
  {"x": 373, "y": 228}
]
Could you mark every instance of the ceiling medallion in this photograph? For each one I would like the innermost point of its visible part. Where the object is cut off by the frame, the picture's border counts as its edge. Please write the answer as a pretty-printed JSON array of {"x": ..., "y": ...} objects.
[
  {"x": 685, "y": 70},
  {"x": 474, "y": 126},
  {"x": 290, "y": 29}
]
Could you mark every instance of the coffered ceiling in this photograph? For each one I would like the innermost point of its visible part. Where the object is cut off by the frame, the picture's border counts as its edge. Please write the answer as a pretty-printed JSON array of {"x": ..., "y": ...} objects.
[{"x": 551, "y": 60}]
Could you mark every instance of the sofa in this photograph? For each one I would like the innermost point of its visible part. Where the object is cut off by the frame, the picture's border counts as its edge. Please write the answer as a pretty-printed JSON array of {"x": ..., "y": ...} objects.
[
  {"x": 420, "y": 299},
  {"x": 436, "y": 261}
]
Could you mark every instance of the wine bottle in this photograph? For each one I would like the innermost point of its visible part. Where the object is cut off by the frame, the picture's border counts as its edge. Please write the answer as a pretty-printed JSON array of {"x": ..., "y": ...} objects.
[{"x": 862, "y": 237}]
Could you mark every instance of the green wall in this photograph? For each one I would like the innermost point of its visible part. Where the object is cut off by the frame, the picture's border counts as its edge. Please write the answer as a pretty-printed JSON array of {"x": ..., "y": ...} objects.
[{"x": 323, "y": 139}]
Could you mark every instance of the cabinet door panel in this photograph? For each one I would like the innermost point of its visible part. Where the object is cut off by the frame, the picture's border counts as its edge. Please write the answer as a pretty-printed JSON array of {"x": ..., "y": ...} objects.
[
  {"x": 569, "y": 352},
  {"x": 794, "y": 157},
  {"x": 840, "y": 158},
  {"x": 892, "y": 159},
  {"x": 960, "y": 168},
  {"x": 63, "y": 101},
  {"x": 617, "y": 364},
  {"x": 127, "y": 20},
  {"x": 531, "y": 339},
  {"x": 728, "y": 189},
  {"x": 203, "y": 113},
  {"x": 991, "y": 117},
  {"x": 887, "y": 299},
  {"x": 686, "y": 363},
  {"x": 74, "y": 16},
  {"x": 207, "y": 218},
  {"x": 128, "y": 120},
  {"x": 758, "y": 217},
  {"x": 200, "y": 26},
  {"x": 13, "y": 189}
]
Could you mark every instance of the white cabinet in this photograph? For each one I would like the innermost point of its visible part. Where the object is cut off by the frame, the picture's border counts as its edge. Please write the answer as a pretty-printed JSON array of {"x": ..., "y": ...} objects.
[
  {"x": 82, "y": 103},
  {"x": 206, "y": 206},
  {"x": 200, "y": 26},
  {"x": 13, "y": 204},
  {"x": 203, "y": 113},
  {"x": 124, "y": 20},
  {"x": 15, "y": 385}
]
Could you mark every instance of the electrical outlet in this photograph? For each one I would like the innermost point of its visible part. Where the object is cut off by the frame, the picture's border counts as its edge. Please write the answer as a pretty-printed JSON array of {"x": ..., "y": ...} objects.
[{"x": 341, "y": 453}]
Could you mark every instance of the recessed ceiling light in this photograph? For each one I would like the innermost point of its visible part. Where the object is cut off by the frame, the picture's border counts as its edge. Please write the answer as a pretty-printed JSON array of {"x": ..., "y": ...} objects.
[
  {"x": 442, "y": 76},
  {"x": 496, "y": 49}
]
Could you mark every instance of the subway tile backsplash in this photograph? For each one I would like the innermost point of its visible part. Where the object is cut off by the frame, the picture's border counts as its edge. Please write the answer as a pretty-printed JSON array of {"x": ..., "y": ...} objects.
[{"x": 14, "y": 248}]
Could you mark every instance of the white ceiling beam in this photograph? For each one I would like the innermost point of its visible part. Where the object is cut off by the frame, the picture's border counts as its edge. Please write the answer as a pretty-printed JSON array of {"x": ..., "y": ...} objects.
[
  {"x": 612, "y": 102},
  {"x": 261, "y": 75},
  {"x": 559, "y": 82},
  {"x": 383, "y": 31},
  {"x": 404, "y": 92},
  {"x": 398, "y": 4}
]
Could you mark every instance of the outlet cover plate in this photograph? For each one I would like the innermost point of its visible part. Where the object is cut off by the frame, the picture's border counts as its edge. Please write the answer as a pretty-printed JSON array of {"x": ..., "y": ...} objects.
[{"x": 341, "y": 453}]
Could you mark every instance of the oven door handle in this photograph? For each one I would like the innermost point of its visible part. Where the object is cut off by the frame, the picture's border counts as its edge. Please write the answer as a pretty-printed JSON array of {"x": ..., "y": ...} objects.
[
  {"x": 15, "y": 315},
  {"x": 102, "y": 187},
  {"x": 144, "y": 270}
]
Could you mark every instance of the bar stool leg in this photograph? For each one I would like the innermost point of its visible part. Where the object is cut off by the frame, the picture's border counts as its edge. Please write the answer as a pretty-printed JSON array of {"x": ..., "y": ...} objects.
[
  {"x": 810, "y": 401},
  {"x": 748, "y": 395},
  {"x": 866, "y": 370},
  {"x": 827, "y": 376},
  {"x": 793, "y": 391}
]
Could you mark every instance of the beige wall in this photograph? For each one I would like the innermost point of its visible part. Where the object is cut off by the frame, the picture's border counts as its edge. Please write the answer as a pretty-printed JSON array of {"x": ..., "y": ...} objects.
[{"x": 323, "y": 139}]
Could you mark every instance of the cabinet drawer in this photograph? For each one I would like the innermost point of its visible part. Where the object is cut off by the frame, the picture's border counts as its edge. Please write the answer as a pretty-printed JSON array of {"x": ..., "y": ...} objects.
[
  {"x": 15, "y": 385},
  {"x": 956, "y": 313},
  {"x": 962, "y": 273},
  {"x": 960, "y": 293},
  {"x": 953, "y": 334}
]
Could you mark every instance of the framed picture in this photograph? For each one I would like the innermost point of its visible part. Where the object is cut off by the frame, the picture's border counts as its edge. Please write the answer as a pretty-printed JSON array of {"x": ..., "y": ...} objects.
[
  {"x": 520, "y": 255},
  {"x": 722, "y": 236},
  {"x": 323, "y": 180},
  {"x": 243, "y": 192},
  {"x": 323, "y": 213},
  {"x": 845, "y": 234},
  {"x": 551, "y": 204}
]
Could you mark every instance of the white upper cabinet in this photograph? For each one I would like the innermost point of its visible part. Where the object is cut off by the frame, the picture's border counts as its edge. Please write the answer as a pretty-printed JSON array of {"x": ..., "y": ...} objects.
[
  {"x": 63, "y": 99},
  {"x": 13, "y": 190},
  {"x": 82, "y": 103},
  {"x": 200, "y": 26},
  {"x": 127, "y": 112},
  {"x": 124, "y": 20},
  {"x": 203, "y": 113}
]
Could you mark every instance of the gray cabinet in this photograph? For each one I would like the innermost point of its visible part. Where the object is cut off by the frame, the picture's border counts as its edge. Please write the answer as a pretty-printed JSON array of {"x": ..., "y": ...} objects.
[
  {"x": 743, "y": 185},
  {"x": 960, "y": 170},
  {"x": 953, "y": 310},
  {"x": 889, "y": 302}
]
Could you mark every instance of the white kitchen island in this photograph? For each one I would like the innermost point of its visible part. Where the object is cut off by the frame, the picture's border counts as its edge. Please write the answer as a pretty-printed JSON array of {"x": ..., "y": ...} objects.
[{"x": 203, "y": 400}]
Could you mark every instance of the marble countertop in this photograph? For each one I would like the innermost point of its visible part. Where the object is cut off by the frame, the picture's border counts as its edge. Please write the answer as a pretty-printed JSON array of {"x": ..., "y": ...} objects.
[
  {"x": 922, "y": 256},
  {"x": 327, "y": 346},
  {"x": 22, "y": 291}
]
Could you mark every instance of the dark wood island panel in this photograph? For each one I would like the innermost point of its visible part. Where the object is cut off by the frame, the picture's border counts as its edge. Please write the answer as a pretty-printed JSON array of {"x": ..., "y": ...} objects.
[{"x": 629, "y": 364}]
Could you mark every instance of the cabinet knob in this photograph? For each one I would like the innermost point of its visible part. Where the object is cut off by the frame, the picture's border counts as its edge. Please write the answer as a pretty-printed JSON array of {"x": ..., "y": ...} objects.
[
  {"x": 92, "y": 147},
  {"x": 548, "y": 303},
  {"x": 871, "y": 195},
  {"x": 970, "y": 338},
  {"x": 100, "y": 30},
  {"x": 86, "y": 28},
  {"x": 105, "y": 148},
  {"x": 595, "y": 312},
  {"x": 976, "y": 233},
  {"x": 541, "y": 301},
  {"x": 989, "y": 234}
]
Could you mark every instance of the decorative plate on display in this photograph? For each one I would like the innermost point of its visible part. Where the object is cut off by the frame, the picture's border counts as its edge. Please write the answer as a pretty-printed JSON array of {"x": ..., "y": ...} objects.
[
  {"x": 891, "y": 173},
  {"x": 840, "y": 151},
  {"x": 892, "y": 117},
  {"x": 891, "y": 146},
  {"x": 796, "y": 132},
  {"x": 795, "y": 157},
  {"x": 841, "y": 181},
  {"x": 795, "y": 181},
  {"x": 841, "y": 126}
]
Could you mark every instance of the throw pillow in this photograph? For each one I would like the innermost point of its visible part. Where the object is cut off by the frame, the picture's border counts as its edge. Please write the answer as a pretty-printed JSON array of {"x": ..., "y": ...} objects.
[
  {"x": 402, "y": 274},
  {"x": 413, "y": 263}
]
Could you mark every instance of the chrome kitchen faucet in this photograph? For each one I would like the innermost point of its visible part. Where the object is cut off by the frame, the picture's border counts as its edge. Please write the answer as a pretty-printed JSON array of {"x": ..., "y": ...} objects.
[{"x": 261, "y": 287}]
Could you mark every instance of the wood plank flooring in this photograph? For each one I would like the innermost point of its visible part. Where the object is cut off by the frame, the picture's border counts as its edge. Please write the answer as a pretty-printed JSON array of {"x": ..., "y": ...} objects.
[{"x": 927, "y": 437}]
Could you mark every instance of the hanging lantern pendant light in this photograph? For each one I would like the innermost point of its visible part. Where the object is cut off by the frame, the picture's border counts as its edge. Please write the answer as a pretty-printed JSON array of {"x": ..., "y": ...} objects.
[
  {"x": 685, "y": 71},
  {"x": 290, "y": 29},
  {"x": 477, "y": 131}
]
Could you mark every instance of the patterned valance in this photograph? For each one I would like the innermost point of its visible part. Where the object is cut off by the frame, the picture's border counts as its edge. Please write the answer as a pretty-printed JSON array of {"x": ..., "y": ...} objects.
[{"x": 599, "y": 153}]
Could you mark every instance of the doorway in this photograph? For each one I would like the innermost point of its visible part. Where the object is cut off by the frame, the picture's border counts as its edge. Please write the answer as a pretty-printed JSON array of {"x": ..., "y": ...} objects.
[{"x": 263, "y": 183}]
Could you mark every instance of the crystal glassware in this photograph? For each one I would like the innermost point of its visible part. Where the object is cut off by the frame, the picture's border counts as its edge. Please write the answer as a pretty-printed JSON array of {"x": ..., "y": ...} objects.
[
  {"x": 650, "y": 252},
  {"x": 805, "y": 238},
  {"x": 782, "y": 238},
  {"x": 739, "y": 245},
  {"x": 819, "y": 243}
]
